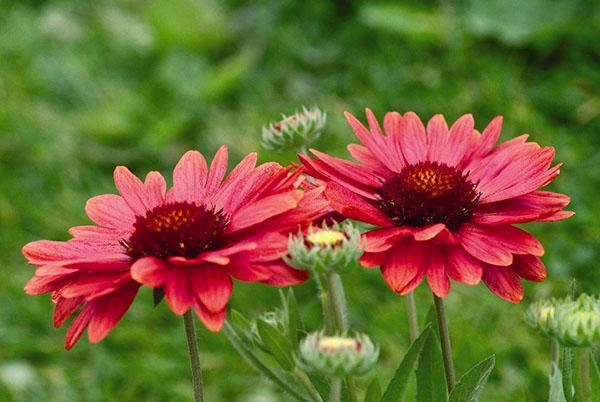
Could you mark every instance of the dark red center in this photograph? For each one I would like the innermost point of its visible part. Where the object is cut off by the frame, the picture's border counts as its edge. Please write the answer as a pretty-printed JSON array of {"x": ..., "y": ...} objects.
[
  {"x": 177, "y": 229},
  {"x": 427, "y": 193}
]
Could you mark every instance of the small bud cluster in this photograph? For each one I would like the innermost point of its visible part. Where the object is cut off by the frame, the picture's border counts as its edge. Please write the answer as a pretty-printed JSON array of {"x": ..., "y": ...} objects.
[
  {"x": 295, "y": 131},
  {"x": 325, "y": 249},
  {"x": 575, "y": 323},
  {"x": 338, "y": 356}
]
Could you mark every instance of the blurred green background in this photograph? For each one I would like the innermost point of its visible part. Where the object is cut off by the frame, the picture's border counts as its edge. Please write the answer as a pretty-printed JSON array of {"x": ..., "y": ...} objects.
[{"x": 85, "y": 86}]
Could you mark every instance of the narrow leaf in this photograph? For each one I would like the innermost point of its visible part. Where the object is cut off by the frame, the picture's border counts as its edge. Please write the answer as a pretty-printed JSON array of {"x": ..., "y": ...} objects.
[
  {"x": 471, "y": 384},
  {"x": 431, "y": 378},
  {"x": 259, "y": 364},
  {"x": 397, "y": 386},
  {"x": 294, "y": 322},
  {"x": 279, "y": 346},
  {"x": 373, "y": 393},
  {"x": 595, "y": 379},
  {"x": 557, "y": 393}
]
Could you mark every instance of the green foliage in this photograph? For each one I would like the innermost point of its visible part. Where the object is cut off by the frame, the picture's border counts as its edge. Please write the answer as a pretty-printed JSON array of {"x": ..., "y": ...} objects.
[
  {"x": 397, "y": 386},
  {"x": 470, "y": 385},
  {"x": 431, "y": 379}
]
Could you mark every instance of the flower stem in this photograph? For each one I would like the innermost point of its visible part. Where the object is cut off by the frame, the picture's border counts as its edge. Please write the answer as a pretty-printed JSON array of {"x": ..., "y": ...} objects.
[
  {"x": 413, "y": 324},
  {"x": 190, "y": 333},
  {"x": 445, "y": 341},
  {"x": 567, "y": 372},
  {"x": 308, "y": 385},
  {"x": 584, "y": 373},
  {"x": 335, "y": 390},
  {"x": 555, "y": 351},
  {"x": 337, "y": 299}
]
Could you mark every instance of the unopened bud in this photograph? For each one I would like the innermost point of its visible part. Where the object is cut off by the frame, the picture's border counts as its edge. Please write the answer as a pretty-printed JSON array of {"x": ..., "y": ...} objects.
[{"x": 295, "y": 131}]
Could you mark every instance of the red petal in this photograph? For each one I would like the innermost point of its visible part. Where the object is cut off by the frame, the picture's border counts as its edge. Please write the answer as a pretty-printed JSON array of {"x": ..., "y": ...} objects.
[
  {"x": 132, "y": 190},
  {"x": 436, "y": 272},
  {"x": 78, "y": 325},
  {"x": 64, "y": 308},
  {"x": 353, "y": 206},
  {"x": 403, "y": 268},
  {"x": 108, "y": 311},
  {"x": 503, "y": 282},
  {"x": 217, "y": 171},
  {"x": 437, "y": 137},
  {"x": 530, "y": 267},
  {"x": 213, "y": 321},
  {"x": 150, "y": 271},
  {"x": 178, "y": 290},
  {"x": 111, "y": 211},
  {"x": 212, "y": 286},
  {"x": 156, "y": 187},
  {"x": 263, "y": 209},
  {"x": 413, "y": 140},
  {"x": 372, "y": 260},
  {"x": 189, "y": 177},
  {"x": 462, "y": 267}
]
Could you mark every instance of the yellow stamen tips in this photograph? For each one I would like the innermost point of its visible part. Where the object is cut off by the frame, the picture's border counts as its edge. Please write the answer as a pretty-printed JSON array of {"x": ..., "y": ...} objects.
[
  {"x": 332, "y": 344},
  {"x": 325, "y": 238},
  {"x": 546, "y": 313}
]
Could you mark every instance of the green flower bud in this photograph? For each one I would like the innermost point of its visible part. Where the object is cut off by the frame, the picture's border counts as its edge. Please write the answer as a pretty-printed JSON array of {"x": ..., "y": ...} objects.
[
  {"x": 572, "y": 322},
  {"x": 337, "y": 356},
  {"x": 539, "y": 314},
  {"x": 298, "y": 130},
  {"x": 325, "y": 249},
  {"x": 577, "y": 322}
]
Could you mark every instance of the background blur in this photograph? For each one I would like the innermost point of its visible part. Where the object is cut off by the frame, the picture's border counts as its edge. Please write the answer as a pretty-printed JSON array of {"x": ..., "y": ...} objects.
[{"x": 85, "y": 86}]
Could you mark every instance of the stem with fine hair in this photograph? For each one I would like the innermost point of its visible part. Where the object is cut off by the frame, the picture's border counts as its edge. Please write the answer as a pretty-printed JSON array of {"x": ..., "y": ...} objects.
[
  {"x": 445, "y": 341},
  {"x": 584, "y": 374},
  {"x": 337, "y": 299},
  {"x": 567, "y": 372},
  {"x": 335, "y": 391},
  {"x": 190, "y": 333},
  {"x": 411, "y": 309},
  {"x": 555, "y": 351}
]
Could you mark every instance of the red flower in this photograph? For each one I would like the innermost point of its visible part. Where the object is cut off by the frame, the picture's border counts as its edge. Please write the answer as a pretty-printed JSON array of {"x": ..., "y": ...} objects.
[
  {"x": 189, "y": 241},
  {"x": 445, "y": 201}
]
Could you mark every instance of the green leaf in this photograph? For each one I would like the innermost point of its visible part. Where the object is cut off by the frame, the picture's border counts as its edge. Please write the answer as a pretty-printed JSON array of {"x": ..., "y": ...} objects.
[
  {"x": 431, "y": 379},
  {"x": 397, "y": 386},
  {"x": 294, "y": 321},
  {"x": 471, "y": 384},
  {"x": 373, "y": 393},
  {"x": 259, "y": 364},
  {"x": 557, "y": 393},
  {"x": 277, "y": 344},
  {"x": 566, "y": 367}
]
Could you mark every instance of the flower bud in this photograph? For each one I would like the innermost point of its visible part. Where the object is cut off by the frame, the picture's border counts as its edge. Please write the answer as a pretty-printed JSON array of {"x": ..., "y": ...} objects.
[
  {"x": 577, "y": 322},
  {"x": 337, "y": 356},
  {"x": 325, "y": 249},
  {"x": 539, "y": 314},
  {"x": 298, "y": 130}
]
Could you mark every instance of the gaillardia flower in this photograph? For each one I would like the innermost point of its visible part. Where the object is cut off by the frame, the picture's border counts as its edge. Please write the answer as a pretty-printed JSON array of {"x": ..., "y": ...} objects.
[
  {"x": 189, "y": 242},
  {"x": 445, "y": 201}
]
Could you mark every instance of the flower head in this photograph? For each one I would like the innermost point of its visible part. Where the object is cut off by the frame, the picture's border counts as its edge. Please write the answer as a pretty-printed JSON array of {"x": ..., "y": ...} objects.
[
  {"x": 326, "y": 248},
  {"x": 444, "y": 201},
  {"x": 300, "y": 129},
  {"x": 338, "y": 356},
  {"x": 577, "y": 322},
  {"x": 189, "y": 242}
]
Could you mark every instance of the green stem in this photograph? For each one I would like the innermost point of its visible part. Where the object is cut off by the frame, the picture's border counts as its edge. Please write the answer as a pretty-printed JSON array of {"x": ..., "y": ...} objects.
[
  {"x": 328, "y": 325},
  {"x": 411, "y": 309},
  {"x": 335, "y": 390},
  {"x": 445, "y": 342},
  {"x": 584, "y": 373},
  {"x": 337, "y": 300},
  {"x": 190, "y": 334},
  {"x": 555, "y": 352},
  {"x": 308, "y": 385},
  {"x": 567, "y": 372}
]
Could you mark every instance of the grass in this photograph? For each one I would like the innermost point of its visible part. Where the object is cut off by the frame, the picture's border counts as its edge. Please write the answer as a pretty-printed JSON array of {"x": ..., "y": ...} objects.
[{"x": 87, "y": 86}]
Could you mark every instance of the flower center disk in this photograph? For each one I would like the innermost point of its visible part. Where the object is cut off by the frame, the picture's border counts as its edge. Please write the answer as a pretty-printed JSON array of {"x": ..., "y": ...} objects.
[
  {"x": 428, "y": 193},
  {"x": 180, "y": 229}
]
